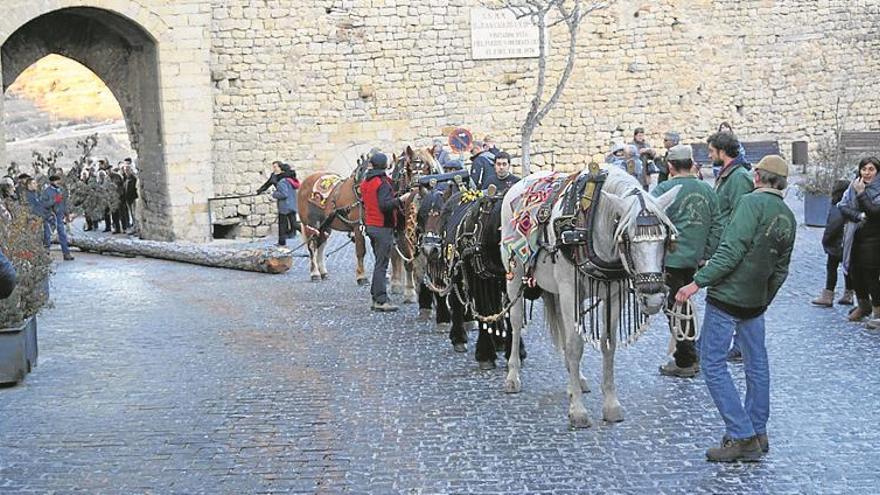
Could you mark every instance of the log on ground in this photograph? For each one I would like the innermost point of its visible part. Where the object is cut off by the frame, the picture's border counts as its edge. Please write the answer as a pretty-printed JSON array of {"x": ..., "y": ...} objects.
[{"x": 264, "y": 260}]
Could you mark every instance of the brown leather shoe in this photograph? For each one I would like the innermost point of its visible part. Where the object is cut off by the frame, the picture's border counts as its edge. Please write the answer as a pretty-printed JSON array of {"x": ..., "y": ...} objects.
[
  {"x": 763, "y": 441},
  {"x": 745, "y": 450}
]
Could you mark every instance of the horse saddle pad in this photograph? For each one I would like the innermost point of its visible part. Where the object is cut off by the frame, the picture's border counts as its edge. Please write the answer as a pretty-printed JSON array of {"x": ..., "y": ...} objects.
[
  {"x": 323, "y": 188},
  {"x": 533, "y": 209}
]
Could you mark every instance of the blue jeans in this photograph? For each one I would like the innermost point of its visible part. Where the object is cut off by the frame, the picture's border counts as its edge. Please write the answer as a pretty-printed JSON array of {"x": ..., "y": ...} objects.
[
  {"x": 56, "y": 220},
  {"x": 742, "y": 420}
]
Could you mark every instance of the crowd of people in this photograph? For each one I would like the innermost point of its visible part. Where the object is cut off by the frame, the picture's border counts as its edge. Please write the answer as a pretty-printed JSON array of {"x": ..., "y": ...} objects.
[{"x": 93, "y": 188}]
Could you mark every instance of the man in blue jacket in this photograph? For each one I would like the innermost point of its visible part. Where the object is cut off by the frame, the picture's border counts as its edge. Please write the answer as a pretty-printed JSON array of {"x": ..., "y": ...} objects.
[{"x": 56, "y": 205}]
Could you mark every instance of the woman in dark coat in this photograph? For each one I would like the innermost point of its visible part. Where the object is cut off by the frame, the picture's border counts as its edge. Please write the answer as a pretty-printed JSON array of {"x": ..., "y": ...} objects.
[
  {"x": 832, "y": 243},
  {"x": 861, "y": 243}
]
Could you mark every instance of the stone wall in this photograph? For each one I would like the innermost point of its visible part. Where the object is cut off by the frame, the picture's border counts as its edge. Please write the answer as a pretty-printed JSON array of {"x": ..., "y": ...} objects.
[
  {"x": 235, "y": 84},
  {"x": 316, "y": 84}
]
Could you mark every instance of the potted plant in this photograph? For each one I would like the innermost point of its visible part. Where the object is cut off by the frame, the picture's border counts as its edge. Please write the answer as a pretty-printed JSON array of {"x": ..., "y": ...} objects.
[
  {"x": 21, "y": 242},
  {"x": 826, "y": 168}
]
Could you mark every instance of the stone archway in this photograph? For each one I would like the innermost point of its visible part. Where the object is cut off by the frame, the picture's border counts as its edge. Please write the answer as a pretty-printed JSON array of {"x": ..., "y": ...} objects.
[{"x": 124, "y": 47}]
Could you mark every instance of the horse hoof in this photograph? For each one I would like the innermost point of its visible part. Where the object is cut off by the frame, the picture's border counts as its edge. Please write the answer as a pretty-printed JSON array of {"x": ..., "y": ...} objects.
[
  {"x": 585, "y": 387},
  {"x": 443, "y": 327},
  {"x": 362, "y": 282},
  {"x": 316, "y": 278},
  {"x": 470, "y": 326},
  {"x": 487, "y": 365},
  {"x": 459, "y": 348},
  {"x": 325, "y": 276},
  {"x": 512, "y": 386},
  {"x": 396, "y": 290},
  {"x": 612, "y": 414},
  {"x": 579, "y": 421},
  {"x": 409, "y": 300}
]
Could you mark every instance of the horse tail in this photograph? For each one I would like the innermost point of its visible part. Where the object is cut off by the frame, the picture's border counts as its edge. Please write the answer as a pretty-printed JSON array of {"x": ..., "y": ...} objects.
[{"x": 553, "y": 317}]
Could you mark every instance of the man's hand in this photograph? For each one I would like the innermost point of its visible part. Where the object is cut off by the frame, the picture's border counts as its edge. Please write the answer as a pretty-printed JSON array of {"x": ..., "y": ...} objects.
[{"x": 686, "y": 292}]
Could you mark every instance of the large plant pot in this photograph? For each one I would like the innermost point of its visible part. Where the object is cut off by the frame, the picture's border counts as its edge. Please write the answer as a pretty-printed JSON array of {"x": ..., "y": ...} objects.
[
  {"x": 18, "y": 351},
  {"x": 816, "y": 209}
]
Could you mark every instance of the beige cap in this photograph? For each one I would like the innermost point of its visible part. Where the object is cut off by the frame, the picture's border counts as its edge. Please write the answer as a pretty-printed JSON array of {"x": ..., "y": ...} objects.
[{"x": 774, "y": 164}]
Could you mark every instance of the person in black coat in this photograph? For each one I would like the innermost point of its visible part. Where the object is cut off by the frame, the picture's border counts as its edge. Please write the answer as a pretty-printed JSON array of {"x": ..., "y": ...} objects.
[
  {"x": 861, "y": 241},
  {"x": 832, "y": 243},
  {"x": 7, "y": 276}
]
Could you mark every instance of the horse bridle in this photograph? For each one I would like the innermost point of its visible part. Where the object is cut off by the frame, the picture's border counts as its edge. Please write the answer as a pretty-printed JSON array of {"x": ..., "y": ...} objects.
[{"x": 649, "y": 228}]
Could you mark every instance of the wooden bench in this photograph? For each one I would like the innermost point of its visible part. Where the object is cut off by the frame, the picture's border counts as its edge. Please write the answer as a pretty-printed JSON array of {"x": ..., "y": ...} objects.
[
  {"x": 755, "y": 151},
  {"x": 858, "y": 144}
]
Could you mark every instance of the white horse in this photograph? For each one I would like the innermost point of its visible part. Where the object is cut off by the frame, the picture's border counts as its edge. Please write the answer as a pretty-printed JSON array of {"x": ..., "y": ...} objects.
[{"x": 617, "y": 237}]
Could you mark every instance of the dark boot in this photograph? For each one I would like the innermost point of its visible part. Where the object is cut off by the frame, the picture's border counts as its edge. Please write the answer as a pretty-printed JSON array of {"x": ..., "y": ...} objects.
[{"x": 745, "y": 450}]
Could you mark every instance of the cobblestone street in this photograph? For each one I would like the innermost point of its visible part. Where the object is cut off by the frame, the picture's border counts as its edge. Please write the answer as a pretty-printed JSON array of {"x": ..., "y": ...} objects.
[{"x": 160, "y": 377}]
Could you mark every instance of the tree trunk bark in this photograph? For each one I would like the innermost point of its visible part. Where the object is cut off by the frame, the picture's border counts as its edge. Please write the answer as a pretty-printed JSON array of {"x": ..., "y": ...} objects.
[{"x": 264, "y": 260}]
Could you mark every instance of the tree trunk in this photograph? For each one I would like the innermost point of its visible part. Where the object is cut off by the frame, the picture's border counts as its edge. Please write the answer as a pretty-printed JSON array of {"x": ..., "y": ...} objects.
[
  {"x": 264, "y": 260},
  {"x": 526, "y": 152}
]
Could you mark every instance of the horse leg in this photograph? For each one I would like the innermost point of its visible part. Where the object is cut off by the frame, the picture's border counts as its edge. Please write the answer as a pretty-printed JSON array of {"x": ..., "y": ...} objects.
[
  {"x": 573, "y": 351},
  {"x": 512, "y": 384},
  {"x": 313, "y": 260},
  {"x": 443, "y": 318},
  {"x": 507, "y": 328},
  {"x": 360, "y": 251},
  {"x": 322, "y": 269},
  {"x": 457, "y": 334},
  {"x": 426, "y": 299},
  {"x": 611, "y": 410},
  {"x": 409, "y": 291},
  {"x": 396, "y": 275},
  {"x": 485, "y": 352}
]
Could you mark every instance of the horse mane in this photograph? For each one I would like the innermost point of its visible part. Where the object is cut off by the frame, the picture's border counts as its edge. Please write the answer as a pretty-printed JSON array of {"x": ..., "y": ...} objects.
[
  {"x": 622, "y": 184},
  {"x": 426, "y": 156}
]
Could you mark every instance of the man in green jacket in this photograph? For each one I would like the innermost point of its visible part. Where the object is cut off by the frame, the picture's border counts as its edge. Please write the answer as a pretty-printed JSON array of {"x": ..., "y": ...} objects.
[
  {"x": 733, "y": 181},
  {"x": 743, "y": 277},
  {"x": 693, "y": 213}
]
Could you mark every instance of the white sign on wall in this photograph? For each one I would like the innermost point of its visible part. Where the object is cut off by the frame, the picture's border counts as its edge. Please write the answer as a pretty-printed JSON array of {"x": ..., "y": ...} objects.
[{"x": 499, "y": 34}]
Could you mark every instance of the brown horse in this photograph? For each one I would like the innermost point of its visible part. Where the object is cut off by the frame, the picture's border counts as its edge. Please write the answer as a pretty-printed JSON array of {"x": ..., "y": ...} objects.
[
  {"x": 408, "y": 168},
  {"x": 327, "y": 201}
]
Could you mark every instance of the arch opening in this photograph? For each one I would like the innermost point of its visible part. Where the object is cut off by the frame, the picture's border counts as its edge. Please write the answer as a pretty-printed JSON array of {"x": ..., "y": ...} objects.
[{"x": 123, "y": 56}]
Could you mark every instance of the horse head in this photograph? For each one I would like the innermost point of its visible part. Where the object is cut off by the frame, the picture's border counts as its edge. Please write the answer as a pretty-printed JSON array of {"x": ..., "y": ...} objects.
[
  {"x": 643, "y": 235},
  {"x": 431, "y": 222}
]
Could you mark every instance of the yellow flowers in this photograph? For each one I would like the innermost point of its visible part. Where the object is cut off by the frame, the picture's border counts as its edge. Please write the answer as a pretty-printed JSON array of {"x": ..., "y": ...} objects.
[{"x": 470, "y": 195}]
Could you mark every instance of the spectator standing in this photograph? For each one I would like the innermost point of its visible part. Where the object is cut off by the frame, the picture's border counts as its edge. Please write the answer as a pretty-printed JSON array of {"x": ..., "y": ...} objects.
[
  {"x": 860, "y": 206},
  {"x": 743, "y": 277},
  {"x": 56, "y": 206},
  {"x": 832, "y": 243}
]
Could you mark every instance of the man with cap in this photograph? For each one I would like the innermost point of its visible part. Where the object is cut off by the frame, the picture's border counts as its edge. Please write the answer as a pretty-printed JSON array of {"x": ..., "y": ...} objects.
[
  {"x": 482, "y": 165},
  {"x": 380, "y": 218},
  {"x": 743, "y": 277},
  {"x": 693, "y": 213},
  {"x": 670, "y": 139}
]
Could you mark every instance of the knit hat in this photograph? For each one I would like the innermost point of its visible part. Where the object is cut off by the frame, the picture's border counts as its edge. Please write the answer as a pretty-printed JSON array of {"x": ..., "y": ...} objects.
[
  {"x": 774, "y": 164},
  {"x": 680, "y": 152},
  {"x": 379, "y": 160}
]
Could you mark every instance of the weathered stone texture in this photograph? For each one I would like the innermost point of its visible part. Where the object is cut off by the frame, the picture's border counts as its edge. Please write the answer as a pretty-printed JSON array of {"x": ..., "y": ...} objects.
[
  {"x": 289, "y": 78},
  {"x": 244, "y": 82}
]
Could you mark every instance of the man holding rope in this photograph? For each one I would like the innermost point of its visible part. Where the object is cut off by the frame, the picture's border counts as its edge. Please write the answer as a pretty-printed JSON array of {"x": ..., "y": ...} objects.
[
  {"x": 743, "y": 277},
  {"x": 694, "y": 215}
]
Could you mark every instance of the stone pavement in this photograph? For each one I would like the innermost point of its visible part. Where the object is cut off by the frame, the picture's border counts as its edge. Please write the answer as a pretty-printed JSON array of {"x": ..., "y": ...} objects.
[{"x": 157, "y": 377}]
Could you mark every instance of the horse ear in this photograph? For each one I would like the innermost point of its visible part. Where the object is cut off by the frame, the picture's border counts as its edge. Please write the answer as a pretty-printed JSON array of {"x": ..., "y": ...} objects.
[
  {"x": 409, "y": 151},
  {"x": 667, "y": 198},
  {"x": 617, "y": 203}
]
